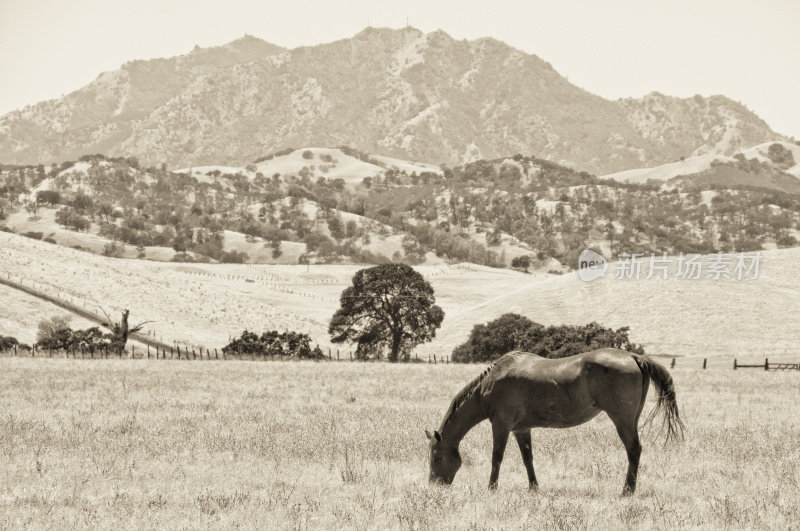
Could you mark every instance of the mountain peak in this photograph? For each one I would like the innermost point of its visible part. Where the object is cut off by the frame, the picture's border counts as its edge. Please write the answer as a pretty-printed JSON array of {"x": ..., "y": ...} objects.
[{"x": 395, "y": 92}]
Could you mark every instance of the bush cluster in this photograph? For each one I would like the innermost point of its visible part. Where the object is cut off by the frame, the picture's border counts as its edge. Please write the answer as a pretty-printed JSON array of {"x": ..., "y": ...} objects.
[
  {"x": 274, "y": 343},
  {"x": 55, "y": 334},
  {"x": 512, "y": 331}
]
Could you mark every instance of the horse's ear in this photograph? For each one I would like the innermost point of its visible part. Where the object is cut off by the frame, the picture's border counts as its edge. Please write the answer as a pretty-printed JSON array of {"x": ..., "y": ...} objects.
[{"x": 434, "y": 435}]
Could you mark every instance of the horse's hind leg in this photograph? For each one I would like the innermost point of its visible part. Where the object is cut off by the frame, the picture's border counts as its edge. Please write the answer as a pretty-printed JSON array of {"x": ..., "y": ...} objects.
[
  {"x": 629, "y": 434},
  {"x": 626, "y": 420},
  {"x": 524, "y": 442}
]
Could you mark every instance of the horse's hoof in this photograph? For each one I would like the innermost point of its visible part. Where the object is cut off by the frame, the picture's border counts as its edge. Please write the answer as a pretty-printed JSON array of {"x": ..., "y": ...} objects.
[
  {"x": 533, "y": 487},
  {"x": 492, "y": 486}
]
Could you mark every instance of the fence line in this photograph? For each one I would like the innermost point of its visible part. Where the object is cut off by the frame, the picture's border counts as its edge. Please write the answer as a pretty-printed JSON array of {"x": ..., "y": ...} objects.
[
  {"x": 215, "y": 354},
  {"x": 190, "y": 354}
]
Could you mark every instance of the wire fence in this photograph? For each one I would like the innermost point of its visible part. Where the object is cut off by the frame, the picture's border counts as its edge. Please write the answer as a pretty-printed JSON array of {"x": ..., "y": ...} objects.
[
  {"x": 84, "y": 352},
  {"x": 214, "y": 354}
]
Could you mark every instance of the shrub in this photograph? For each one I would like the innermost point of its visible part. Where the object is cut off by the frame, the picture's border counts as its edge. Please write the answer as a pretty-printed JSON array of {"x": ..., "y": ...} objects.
[
  {"x": 273, "y": 343},
  {"x": 183, "y": 257},
  {"x": 54, "y": 333},
  {"x": 114, "y": 250},
  {"x": 234, "y": 257},
  {"x": 516, "y": 332},
  {"x": 34, "y": 235},
  {"x": 521, "y": 262},
  {"x": 308, "y": 154},
  {"x": 787, "y": 240},
  {"x": 8, "y": 342}
]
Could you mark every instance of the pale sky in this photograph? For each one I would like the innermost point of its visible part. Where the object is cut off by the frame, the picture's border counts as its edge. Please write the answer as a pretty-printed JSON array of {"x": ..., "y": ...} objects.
[{"x": 746, "y": 50}]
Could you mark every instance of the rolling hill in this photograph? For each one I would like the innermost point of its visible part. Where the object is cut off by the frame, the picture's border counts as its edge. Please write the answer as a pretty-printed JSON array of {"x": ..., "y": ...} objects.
[
  {"x": 203, "y": 304},
  {"x": 757, "y": 167}
]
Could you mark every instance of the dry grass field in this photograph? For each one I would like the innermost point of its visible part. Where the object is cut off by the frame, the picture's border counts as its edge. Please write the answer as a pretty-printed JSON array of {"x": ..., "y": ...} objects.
[{"x": 135, "y": 444}]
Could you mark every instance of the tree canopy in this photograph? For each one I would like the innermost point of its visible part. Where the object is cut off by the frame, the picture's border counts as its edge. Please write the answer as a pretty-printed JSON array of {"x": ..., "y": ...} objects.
[{"x": 389, "y": 306}]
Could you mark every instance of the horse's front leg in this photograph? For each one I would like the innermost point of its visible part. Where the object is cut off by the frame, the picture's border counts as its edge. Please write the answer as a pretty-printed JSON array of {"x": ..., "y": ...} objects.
[{"x": 499, "y": 441}]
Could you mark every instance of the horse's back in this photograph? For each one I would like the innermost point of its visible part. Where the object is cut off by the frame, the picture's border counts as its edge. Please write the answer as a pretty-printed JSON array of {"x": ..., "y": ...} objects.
[
  {"x": 533, "y": 366},
  {"x": 535, "y": 391}
]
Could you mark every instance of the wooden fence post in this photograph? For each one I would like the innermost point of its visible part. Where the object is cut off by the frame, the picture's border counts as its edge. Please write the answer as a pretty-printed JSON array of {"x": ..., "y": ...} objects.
[
  {"x": 734, "y": 364},
  {"x": 216, "y": 354},
  {"x": 672, "y": 365},
  {"x": 704, "y": 363},
  {"x": 766, "y": 364},
  {"x": 15, "y": 351}
]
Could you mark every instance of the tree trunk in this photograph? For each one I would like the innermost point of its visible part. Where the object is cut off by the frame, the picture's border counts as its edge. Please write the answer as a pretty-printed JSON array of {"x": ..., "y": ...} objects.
[
  {"x": 396, "y": 340},
  {"x": 123, "y": 326}
]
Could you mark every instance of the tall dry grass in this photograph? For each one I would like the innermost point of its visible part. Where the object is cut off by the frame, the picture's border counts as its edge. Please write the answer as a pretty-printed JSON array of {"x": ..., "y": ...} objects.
[{"x": 137, "y": 444}]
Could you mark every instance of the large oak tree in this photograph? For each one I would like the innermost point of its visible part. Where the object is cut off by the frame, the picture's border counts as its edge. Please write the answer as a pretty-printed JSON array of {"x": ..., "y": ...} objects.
[{"x": 388, "y": 306}]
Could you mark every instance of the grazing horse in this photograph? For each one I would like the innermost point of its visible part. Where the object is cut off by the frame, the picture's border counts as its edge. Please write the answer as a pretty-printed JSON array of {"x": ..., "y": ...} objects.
[{"x": 521, "y": 391}]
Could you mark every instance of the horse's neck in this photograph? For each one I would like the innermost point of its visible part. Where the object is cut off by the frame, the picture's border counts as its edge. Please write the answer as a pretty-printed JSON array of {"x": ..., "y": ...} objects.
[{"x": 462, "y": 420}]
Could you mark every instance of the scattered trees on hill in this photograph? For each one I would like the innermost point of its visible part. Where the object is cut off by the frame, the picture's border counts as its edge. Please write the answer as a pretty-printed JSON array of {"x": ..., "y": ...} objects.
[
  {"x": 388, "y": 307},
  {"x": 32, "y": 207},
  {"x": 70, "y": 219},
  {"x": 512, "y": 331},
  {"x": 556, "y": 211},
  {"x": 48, "y": 197}
]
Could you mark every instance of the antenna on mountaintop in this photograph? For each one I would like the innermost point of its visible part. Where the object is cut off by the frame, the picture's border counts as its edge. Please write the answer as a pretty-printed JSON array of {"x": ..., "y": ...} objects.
[{"x": 407, "y": 24}]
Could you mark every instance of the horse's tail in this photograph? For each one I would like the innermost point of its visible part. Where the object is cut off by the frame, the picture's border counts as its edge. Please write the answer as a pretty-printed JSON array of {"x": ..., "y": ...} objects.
[{"x": 667, "y": 403}]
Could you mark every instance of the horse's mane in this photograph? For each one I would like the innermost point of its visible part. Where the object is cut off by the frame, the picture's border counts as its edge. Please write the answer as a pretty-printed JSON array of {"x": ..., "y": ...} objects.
[{"x": 470, "y": 389}]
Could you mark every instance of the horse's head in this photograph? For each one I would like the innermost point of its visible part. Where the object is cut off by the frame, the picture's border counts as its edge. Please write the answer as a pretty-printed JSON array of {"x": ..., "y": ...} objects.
[{"x": 444, "y": 460}]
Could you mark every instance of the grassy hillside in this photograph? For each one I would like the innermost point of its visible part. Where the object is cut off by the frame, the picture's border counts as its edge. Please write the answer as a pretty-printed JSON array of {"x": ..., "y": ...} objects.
[{"x": 205, "y": 304}]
